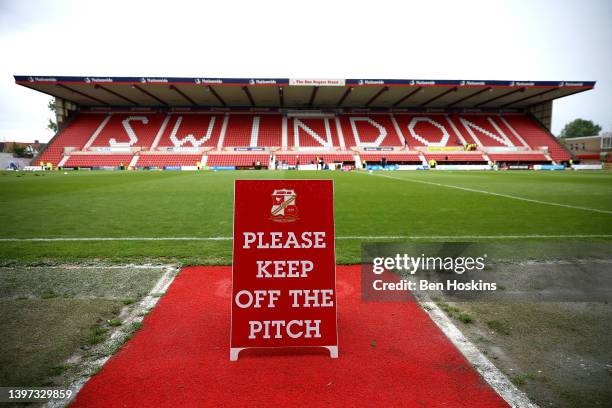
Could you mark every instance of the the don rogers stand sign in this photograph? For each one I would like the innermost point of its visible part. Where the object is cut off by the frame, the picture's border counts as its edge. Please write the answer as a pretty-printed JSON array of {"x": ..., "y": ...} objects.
[{"x": 284, "y": 267}]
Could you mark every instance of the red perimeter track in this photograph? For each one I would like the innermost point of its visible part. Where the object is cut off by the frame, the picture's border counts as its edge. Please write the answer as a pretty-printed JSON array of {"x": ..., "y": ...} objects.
[{"x": 391, "y": 354}]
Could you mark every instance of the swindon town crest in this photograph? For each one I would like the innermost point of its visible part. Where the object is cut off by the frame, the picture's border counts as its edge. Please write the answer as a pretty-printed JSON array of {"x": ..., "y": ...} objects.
[{"x": 284, "y": 208}]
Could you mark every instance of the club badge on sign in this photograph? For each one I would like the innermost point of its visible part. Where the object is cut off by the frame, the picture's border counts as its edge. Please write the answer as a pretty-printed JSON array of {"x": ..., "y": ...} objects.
[{"x": 284, "y": 207}]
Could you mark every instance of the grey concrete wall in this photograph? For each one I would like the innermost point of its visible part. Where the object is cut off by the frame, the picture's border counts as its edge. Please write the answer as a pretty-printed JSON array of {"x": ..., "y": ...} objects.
[{"x": 7, "y": 158}]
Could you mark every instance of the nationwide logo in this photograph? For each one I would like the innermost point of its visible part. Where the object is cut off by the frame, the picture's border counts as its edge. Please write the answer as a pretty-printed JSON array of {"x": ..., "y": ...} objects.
[
  {"x": 572, "y": 84},
  {"x": 372, "y": 82},
  {"x": 411, "y": 82},
  {"x": 477, "y": 83},
  {"x": 207, "y": 81},
  {"x": 262, "y": 81},
  {"x": 425, "y": 82},
  {"x": 42, "y": 79},
  {"x": 512, "y": 83},
  {"x": 154, "y": 80},
  {"x": 525, "y": 83},
  {"x": 284, "y": 207},
  {"x": 88, "y": 80}
]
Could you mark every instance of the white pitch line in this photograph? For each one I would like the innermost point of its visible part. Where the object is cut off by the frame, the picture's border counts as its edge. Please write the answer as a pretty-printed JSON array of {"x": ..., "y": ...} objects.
[
  {"x": 128, "y": 316},
  {"x": 535, "y": 236},
  {"x": 491, "y": 374},
  {"x": 70, "y": 266},
  {"x": 340, "y": 238},
  {"x": 473, "y": 190},
  {"x": 60, "y": 239}
]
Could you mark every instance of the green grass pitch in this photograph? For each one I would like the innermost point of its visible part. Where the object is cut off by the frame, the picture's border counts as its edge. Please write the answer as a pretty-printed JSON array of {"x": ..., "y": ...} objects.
[
  {"x": 66, "y": 310},
  {"x": 407, "y": 205}
]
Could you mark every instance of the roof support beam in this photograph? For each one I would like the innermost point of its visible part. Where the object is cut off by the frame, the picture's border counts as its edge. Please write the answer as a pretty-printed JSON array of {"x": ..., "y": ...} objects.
[
  {"x": 313, "y": 95},
  {"x": 372, "y": 99},
  {"x": 187, "y": 98},
  {"x": 529, "y": 97},
  {"x": 149, "y": 94},
  {"x": 219, "y": 98},
  {"x": 403, "y": 98},
  {"x": 556, "y": 97},
  {"x": 281, "y": 96},
  {"x": 344, "y": 96},
  {"x": 248, "y": 94},
  {"x": 50, "y": 94},
  {"x": 500, "y": 96},
  {"x": 83, "y": 94},
  {"x": 488, "y": 88},
  {"x": 125, "y": 98},
  {"x": 439, "y": 96}
]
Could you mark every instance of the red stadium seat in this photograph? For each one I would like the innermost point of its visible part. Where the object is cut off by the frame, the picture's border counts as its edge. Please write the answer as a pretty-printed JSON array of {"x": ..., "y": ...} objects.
[
  {"x": 428, "y": 130},
  {"x": 98, "y": 160},
  {"x": 76, "y": 134},
  {"x": 162, "y": 160},
  {"x": 518, "y": 157},
  {"x": 312, "y": 132},
  {"x": 246, "y": 130},
  {"x": 192, "y": 131},
  {"x": 537, "y": 137},
  {"x": 391, "y": 158},
  {"x": 129, "y": 130},
  {"x": 369, "y": 131},
  {"x": 292, "y": 159},
  {"x": 487, "y": 130},
  {"x": 237, "y": 160},
  {"x": 332, "y": 137}
]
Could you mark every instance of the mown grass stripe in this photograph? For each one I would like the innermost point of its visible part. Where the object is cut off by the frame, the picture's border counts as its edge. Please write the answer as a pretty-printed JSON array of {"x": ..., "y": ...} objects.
[{"x": 474, "y": 190}]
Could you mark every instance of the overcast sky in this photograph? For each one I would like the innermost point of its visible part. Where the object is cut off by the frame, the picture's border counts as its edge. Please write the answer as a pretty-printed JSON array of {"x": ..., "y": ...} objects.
[{"x": 509, "y": 40}]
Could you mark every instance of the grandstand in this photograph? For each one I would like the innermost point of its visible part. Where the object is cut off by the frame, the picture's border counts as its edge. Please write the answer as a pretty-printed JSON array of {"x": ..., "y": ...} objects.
[{"x": 134, "y": 122}]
